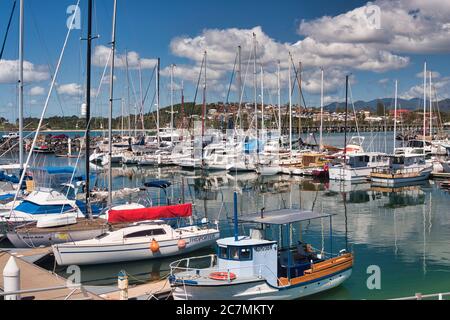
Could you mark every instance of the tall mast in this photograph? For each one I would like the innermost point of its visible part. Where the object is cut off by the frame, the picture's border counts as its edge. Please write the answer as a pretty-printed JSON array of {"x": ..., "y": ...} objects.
[
  {"x": 255, "y": 85},
  {"x": 171, "y": 99},
  {"x": 88, "y": 105},
  {"x": 395, "y": 114},
  {"x": 21, "y": 84},
  {"x": 321, "y": 111},
  {"x": 346, "y": 116},
  {"x": 183, "y": 120},
  {"x": 204, "y": 109},
  {"x": 111, "y": 102},
  {"x": 424, "y": 105},
  {"x": 290, "y": 109},
  {"x": 300, "y": 96},
  {"x": 158, "y": 68},
  {"x": 263, "y": 127},
  {"x": 279, "y": 99},
  {"x": 239, "y": 78},
  {"x": 431, "y": 106}
]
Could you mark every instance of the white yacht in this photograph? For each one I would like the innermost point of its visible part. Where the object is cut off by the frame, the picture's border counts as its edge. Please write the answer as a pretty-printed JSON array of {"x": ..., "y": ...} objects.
[{"x": 358, "y": 166}]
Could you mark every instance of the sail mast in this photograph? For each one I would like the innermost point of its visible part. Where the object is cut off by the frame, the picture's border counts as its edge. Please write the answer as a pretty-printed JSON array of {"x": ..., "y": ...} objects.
[
  {"x": 321, "y": 111},
  {"x": 21, "y": 85},
  {"x": 171, "y": 99},
  {"x": 431, "y": 106},
  {"x": 158, "y": 68},
  {"x": 290, "y": 109},
  {"x": 279, "y": 99},
  {"x": 395, "y": 114},
  {"x": 263, "y": 127},
  {"x": 424, "y": 105},
  {"x": 346, "y": 116},
  {"x": 204, "y": 109},
  {"x": 111, "y": 102},
  {"x": 88, "y": 106}
]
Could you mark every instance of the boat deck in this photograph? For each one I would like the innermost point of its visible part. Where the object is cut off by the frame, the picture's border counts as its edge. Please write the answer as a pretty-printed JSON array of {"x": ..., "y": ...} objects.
[{"x": 81, "y": 225}]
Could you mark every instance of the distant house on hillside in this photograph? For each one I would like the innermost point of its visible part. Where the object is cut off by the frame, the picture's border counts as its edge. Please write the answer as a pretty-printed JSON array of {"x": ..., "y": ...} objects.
[{"x": 400, "y": 112}]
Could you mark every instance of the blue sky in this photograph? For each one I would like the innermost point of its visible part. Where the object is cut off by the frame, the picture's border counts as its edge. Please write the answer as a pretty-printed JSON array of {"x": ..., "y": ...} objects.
[{"x": 179, "y": 31}]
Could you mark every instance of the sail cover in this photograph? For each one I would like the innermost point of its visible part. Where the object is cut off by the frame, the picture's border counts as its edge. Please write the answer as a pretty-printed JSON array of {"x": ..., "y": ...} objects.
[{"x": 155, "y": 213}]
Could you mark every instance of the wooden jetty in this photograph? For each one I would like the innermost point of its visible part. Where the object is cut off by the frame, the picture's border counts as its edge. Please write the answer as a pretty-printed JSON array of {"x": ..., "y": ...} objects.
[{"x": 37, "y": 283}]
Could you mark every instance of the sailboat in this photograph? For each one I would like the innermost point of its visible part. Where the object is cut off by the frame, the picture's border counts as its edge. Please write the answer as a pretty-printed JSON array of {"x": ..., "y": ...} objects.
[
  {"x": 49, "y": 214},
  {"x": 149, "y": 238}
]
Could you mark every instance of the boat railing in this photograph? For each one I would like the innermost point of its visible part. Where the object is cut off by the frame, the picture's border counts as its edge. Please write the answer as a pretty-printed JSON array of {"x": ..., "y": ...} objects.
[
  {"x": 396, "y": 171},
  {"x": 206, "y": 272},
  {"x": 419, "y": 296}
]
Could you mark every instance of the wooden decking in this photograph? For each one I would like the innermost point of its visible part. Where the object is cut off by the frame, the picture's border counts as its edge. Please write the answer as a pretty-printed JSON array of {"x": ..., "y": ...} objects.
[
  {"x": 33, "y": 277},
  {"x": 160, "y": 289}
]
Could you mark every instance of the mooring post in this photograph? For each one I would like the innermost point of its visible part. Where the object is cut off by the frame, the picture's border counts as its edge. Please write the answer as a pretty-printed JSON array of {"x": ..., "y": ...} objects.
[
  {"x": 123, "y": 285},
  {"x": 11, "y": 279}
]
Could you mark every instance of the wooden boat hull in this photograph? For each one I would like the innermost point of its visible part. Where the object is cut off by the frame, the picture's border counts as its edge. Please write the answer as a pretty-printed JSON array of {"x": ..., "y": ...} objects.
[{"x": 392, "y": 180}]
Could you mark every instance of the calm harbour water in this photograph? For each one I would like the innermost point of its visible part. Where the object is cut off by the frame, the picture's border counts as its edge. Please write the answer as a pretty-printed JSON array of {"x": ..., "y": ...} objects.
[{"x": 406, "y": 232}]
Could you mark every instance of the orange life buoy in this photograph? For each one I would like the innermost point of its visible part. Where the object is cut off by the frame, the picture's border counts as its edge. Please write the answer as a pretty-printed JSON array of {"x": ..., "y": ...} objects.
[
  {"x": 154, "y": 246},
  {"x": 222, "y": 276},
  {"x": 181, "y": 244}
]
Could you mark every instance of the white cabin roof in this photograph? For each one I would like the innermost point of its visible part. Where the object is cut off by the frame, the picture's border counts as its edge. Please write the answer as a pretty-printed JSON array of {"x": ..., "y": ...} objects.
[{"x": 243, "y": 242}]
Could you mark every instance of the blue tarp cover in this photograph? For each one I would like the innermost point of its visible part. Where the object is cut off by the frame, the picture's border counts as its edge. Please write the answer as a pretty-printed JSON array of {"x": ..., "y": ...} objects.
[
  {"x": 33, "y": 208},
  {"x": 56, "y": 170}
]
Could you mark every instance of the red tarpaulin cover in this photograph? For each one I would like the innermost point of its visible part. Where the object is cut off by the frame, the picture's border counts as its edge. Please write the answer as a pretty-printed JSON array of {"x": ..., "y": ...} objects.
[{"x": 155, "y": 213}]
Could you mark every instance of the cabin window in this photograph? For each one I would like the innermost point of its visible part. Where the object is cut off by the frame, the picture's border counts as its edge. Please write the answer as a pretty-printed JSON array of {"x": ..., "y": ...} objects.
[
  {"x": 146, "y": 233},
  {"x": 223, "y": 253},
  {"x": 240, "y": 253}
]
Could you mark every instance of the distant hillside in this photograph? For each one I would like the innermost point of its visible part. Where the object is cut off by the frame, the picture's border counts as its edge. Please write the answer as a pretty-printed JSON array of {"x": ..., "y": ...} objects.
[{"x": 413, "y": 104}]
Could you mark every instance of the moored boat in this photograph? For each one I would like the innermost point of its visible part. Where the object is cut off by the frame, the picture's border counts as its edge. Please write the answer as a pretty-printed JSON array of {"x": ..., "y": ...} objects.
[{"x": 253, "y": 268}]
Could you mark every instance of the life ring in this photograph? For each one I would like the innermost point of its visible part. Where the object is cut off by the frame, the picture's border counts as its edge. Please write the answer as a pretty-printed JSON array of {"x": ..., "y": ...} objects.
[{"x": 222, "y": 276}]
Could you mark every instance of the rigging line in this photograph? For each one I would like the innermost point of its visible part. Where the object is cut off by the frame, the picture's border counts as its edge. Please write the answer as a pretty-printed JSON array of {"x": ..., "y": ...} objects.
[
  {"x": 297, "y": 80},
  {"x": 241, "y": 98},
  {"x": 196, "y": 91},
  {"x": 148, "y": 87},
  {"x": 41, "y": 120},
  {"x": 49, "y": 64},
  {"x": 7, "y": 29},
  {"x": 232, "y": 78},
  {"x": 354, "y": 110}
]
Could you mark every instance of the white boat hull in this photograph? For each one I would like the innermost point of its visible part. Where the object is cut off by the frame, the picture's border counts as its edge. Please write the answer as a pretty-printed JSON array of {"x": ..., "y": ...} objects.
[
  {"x": 86, "y": 255},
  {"x": 258, "y": 290},
  {"x": 350, "y": 174}
]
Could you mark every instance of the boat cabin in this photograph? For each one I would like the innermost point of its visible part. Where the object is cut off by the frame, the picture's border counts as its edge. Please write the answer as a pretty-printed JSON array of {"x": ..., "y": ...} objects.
[
  {"x": 405, "y": 161},
  {"x": 362, "y": 160},
  {"x": 254, "y": 256}
]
